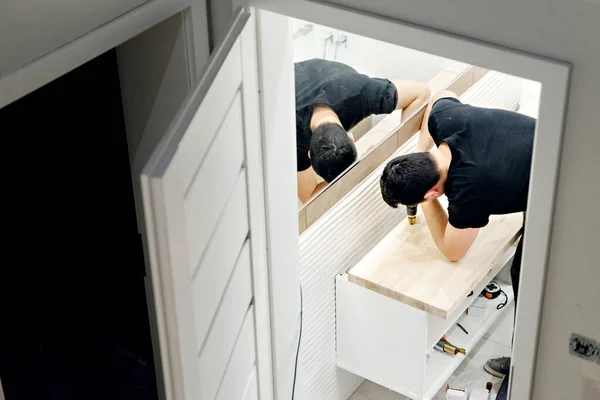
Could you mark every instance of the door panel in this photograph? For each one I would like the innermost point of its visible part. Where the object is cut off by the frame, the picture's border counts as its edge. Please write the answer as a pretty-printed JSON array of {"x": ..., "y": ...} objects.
[
  {"x": 214, "y": 181},
  {"x": 203, "y": 198},
  {"x": 206, "y": 120},
  {"x": 213, "y": 361},
  {"x": 226, "y": 245},
  {"x": 241, "y": 365},
  {"x": 233, "y": 307},
  {"x": 252, "y": 388}
]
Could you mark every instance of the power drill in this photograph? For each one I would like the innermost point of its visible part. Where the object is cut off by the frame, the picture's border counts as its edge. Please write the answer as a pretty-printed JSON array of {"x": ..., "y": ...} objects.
[{"x": 411, "y": 212}]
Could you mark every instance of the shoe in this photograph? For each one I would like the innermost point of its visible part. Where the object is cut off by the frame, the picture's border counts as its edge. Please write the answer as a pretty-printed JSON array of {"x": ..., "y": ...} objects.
[{"x": 498, "y": 367}]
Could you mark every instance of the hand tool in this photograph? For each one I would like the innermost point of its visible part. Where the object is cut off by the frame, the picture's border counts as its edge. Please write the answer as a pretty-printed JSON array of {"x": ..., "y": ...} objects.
[
  {"x": 491, "y": 291},
  {"x": 446, "y": 347}
]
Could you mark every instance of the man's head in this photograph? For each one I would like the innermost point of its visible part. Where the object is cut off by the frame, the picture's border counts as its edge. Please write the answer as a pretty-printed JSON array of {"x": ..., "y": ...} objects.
[
  {"x": 332, "y": 150},
  {"x": 411, "y": 179}
]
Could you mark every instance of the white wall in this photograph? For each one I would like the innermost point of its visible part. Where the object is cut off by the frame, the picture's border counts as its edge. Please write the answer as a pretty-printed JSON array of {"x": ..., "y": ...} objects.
[
  {"x": 219, "y": 14},
  {"x": 369, "y": 56}
]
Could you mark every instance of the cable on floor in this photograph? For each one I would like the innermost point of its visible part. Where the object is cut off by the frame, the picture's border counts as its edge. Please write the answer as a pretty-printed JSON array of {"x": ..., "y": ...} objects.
[{"x": 299, "y": 341}]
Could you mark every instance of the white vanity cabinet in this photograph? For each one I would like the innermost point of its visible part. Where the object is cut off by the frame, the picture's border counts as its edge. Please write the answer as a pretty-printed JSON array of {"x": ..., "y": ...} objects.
[{"x": 410, "y": 296}]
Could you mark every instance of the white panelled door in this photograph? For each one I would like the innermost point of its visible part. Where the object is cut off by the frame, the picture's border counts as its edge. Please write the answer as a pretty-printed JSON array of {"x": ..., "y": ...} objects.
[{"x": 204, "y": 209}]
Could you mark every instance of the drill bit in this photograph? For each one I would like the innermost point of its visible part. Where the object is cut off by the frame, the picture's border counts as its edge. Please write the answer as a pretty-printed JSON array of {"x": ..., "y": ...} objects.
[{"x": 411, "y": 212}]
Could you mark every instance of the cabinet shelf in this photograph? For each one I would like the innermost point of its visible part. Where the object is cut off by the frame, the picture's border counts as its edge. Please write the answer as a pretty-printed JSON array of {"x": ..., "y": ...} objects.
[{"x": 440, "y": 366}]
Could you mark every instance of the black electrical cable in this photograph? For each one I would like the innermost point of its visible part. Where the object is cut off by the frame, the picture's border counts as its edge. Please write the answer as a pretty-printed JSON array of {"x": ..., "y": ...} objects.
[
  {"x": 298, "y": 350},
  {"x": 501, "y": 305}
]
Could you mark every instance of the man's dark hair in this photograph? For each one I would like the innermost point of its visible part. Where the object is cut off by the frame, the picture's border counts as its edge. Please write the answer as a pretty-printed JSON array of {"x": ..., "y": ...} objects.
[
  {"x": 331, "y": 151},
  {"x": 406, "y": 179}
]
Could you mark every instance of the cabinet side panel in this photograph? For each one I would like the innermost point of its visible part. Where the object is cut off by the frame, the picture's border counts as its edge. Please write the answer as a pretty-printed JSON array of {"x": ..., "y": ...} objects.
[{"x": 390, "y": 352}]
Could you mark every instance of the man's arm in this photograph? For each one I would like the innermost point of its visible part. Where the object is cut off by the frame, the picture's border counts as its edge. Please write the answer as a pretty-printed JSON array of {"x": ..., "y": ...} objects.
[
  {"x": 411, "y": 96},
  {"x": 452, "y": 242},
  {"x": 307, "y": 184},
  {"x": 425, "y": 140}
]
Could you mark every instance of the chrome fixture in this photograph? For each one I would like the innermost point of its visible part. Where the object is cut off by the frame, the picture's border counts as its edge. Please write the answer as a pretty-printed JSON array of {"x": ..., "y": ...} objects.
[{"x": 342, "y": 40}]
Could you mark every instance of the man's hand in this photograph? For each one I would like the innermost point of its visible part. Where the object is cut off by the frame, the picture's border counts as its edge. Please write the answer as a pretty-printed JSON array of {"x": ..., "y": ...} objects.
[{"x": 452, "y": 242}]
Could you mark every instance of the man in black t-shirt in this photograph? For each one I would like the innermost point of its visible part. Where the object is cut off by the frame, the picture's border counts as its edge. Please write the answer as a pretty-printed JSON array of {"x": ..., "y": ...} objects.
[
  {"x": 331, "y": 98},
  {"x": 482, "y": 163}
]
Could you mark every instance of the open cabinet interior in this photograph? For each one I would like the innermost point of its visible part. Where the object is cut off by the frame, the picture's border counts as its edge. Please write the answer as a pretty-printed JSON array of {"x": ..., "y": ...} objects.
[{"x": 75, "y": 321}]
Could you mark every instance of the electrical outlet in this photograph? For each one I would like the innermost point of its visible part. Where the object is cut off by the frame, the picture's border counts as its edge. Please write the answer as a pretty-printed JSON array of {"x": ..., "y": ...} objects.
[{"x": 583, "y": 347}]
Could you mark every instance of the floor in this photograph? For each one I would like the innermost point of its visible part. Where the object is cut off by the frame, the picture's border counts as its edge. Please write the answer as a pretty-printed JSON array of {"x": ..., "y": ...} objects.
[{"x": 469, "y": 374}]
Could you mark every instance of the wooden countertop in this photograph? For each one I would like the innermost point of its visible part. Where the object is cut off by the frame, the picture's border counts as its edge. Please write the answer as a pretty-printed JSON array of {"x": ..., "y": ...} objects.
[{"x": 407, "y": 266}]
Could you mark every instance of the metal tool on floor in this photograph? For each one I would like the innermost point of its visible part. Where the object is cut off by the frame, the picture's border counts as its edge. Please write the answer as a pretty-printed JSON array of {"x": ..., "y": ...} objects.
[
  {"x": 460, "y": 349},
  {"x": 462, "y": 328},
  {"x": 446, "y": 347}
]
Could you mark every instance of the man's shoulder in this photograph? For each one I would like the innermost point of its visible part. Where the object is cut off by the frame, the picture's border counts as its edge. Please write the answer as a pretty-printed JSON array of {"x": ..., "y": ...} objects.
[
  {"x": 445, "y": 105},
  {"x": 447, "y": 117}
]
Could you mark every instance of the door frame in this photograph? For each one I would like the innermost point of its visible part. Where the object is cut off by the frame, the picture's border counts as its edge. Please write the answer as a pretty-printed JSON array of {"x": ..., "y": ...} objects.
[
  {"x": 276, "y": 80},
  {"x": 552, "y": 74}
]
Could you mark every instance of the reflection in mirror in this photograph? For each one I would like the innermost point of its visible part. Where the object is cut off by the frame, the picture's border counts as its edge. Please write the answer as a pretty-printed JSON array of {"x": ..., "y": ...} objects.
[{"x": 351, "y": 93}]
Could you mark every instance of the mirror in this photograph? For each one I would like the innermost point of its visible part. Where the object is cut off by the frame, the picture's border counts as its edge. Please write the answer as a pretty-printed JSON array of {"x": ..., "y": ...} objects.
[{"x": 366, "y": 89}]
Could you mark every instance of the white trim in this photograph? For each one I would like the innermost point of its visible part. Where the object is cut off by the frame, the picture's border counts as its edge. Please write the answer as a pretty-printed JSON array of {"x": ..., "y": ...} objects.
[
  {"x": 73, "y": 54},
  {"x": 256, "y": 210},
  {"x": 187, "y": 27},
  {"x": 276, "y": 77},
  {"x": 554, "y": 77}
]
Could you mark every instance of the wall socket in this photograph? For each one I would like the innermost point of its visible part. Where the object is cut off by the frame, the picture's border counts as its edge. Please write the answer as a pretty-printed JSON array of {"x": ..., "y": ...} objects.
[{"x": 583, "y": 347}]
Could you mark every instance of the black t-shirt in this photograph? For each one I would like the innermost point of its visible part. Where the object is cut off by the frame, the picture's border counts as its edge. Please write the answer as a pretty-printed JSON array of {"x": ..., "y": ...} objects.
[
  {"x": 491, "y": 160},
  {"x": 352, "y": 96}
]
